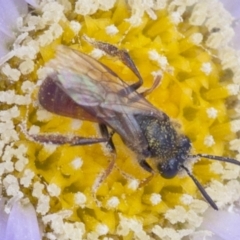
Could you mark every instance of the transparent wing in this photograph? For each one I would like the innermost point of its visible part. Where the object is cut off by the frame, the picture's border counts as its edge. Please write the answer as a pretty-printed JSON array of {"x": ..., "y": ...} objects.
[
  {"x": 92, "y": 84},
  {"x": 69, "y": 61}
]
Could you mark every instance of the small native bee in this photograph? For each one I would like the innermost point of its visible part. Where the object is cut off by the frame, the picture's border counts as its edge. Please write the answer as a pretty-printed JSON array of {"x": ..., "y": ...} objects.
[{"x": 83, "y": 88}]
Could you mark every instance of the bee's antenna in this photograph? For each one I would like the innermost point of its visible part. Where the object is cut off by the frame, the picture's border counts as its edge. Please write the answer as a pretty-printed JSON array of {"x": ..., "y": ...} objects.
[
  {"x": 218, "y": 158},
  {"x": 201, "y": 189}
]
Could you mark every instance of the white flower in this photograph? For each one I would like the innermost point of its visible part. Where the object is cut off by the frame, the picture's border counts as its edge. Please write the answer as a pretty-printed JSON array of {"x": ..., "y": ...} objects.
[
  {"x": 21, "y": 222},
  {"x": 11, "y": 12}
]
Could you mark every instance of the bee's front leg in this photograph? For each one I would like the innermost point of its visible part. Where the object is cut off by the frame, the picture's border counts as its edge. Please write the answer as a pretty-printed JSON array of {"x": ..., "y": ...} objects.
[
  {"x": 145, "y": 165},
  {"x": 148, "y": 168}
]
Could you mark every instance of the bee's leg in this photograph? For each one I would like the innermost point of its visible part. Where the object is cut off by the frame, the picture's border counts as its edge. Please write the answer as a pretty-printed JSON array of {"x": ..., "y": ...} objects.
[
  {"x": 145, "y": 165},
  {"x": 126, "y": 59},
  {"x": 156, "y": 82},
  {"x": 143, "y": 182},
  {"x": 122, "y": 55},
  {"x": 61, "y": 139},
  {"x": 148, "y": 168},
  {"x": 106, "y": 135},
  {"x": 146, "y": 180},
  {"x": 102, "y": 176}
]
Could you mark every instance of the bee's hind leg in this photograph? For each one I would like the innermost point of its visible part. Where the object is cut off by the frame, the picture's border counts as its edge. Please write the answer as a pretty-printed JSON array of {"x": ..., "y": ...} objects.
[
  {"x": 58, "y": 139},
  {"x": 102, "y": 176}
]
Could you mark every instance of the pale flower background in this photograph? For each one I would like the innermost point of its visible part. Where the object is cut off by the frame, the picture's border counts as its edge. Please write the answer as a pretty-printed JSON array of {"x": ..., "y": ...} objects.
[
  {"x": 21, "y": 223},
  {"x": 225, "y": 224}
]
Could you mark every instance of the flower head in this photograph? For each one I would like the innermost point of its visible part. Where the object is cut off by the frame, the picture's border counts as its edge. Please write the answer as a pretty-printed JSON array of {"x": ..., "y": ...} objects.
[{"x": 186, "y": 44}]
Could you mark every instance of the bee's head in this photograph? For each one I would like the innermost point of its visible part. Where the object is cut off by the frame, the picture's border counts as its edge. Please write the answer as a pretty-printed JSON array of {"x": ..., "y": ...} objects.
[{"x": 170, "y": 167}]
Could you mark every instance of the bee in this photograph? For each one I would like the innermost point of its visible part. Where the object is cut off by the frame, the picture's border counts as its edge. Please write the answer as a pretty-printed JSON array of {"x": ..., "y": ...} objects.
[{"x": 83, "y": 88}]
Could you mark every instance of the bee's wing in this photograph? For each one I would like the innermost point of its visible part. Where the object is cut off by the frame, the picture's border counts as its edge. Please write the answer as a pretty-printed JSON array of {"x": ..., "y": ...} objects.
[
  {"x": 54, "y": 99},
  {"x": 71, "y": 61},
  {"x": 92, "y": 84}
]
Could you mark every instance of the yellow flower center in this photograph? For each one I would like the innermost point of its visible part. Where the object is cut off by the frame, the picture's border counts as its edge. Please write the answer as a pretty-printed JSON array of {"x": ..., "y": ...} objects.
[{"x": 193, "y": 92}]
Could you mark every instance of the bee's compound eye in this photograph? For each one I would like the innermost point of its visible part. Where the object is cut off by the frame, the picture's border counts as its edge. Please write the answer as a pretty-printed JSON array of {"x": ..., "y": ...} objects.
[{"x": 169, "y": 169}]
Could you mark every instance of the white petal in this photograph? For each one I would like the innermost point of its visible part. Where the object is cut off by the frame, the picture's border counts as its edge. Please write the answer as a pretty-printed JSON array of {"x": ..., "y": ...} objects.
[
  {"x": 9, "y": 12},
  {"x": 233, "y": 7},
  {"x": 3, "y": 219},
  {"x": 236, "y": 39},
  {"x": 22, "y": 223},
  {"x": 224, "y": 224},
  {"x": 4, "y": 40},
  {"x": 34, "y": 3}
]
